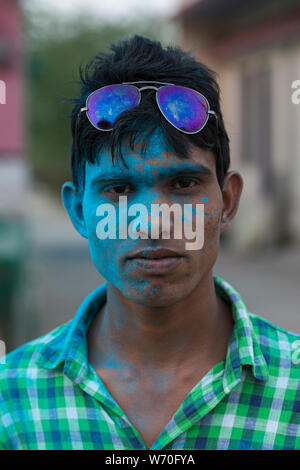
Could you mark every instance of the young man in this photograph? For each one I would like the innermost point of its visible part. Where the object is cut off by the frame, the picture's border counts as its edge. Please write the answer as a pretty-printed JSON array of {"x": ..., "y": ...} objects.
[{"x": 164, "y": 355}]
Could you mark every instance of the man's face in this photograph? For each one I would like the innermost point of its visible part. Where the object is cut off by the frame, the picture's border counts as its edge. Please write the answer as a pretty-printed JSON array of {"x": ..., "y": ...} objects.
[{"x": 157, "y": 177}]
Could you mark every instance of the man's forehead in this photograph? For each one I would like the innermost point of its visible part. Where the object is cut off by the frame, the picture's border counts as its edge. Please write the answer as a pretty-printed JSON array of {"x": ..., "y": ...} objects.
[
  {"x": 138, "y": 167},
  {"x": 157, "y": 151},
  {"x": 157, "y": 157}
]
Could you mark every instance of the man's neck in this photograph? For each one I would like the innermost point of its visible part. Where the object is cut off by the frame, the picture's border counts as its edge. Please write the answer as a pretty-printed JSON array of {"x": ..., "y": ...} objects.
[{"x": 195, "y": 330}]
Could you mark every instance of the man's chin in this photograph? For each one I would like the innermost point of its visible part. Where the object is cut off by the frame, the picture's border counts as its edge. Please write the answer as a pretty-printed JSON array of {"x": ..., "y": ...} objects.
[{"x": 156, "y": 294}]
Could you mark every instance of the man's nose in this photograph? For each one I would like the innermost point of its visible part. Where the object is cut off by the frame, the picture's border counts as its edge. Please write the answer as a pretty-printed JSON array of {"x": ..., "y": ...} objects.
[
  {"x": 150, "y": 226},
  {"x": 153, "y": 222}
]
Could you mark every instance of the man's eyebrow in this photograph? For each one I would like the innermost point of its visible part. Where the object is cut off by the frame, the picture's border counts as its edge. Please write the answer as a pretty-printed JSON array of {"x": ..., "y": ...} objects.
[
  {"x": 110, "y": 176},
  {"x": 161, "y": 173},
  {"x": 185, "y": 170}
]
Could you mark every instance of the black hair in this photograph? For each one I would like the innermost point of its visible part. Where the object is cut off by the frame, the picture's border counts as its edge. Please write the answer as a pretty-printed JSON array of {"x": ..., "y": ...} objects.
[{"x": 141, "y": 59}]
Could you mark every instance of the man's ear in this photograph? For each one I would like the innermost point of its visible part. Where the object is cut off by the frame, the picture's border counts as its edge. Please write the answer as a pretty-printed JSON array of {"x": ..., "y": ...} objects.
[
  {"x": 232, "y": 190},
  {"x": 72, "y": 200}
]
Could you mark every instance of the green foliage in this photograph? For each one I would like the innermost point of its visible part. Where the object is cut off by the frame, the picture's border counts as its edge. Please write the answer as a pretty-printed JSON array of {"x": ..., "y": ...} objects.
[{"x": 55, "y": 49}]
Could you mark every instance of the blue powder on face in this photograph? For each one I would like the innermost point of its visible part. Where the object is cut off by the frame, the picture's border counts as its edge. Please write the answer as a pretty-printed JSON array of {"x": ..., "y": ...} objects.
[{"x": 109, "y": 255}]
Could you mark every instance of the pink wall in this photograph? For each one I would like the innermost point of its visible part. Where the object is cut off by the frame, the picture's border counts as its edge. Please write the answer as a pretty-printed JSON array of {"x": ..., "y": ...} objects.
[{"x": 12, "y": 113}]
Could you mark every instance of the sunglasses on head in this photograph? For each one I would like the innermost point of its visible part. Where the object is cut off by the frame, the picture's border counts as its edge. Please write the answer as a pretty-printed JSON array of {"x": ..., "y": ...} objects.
[{"x": 184, "y": 108}]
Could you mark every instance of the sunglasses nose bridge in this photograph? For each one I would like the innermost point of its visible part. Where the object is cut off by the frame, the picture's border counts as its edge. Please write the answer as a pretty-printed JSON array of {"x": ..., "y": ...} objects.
[{"x": 150, "y": 87}]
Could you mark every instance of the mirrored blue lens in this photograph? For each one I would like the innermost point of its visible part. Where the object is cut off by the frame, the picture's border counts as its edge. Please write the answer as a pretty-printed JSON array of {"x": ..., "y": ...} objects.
[
  {"x": 106, "y": 104},
  {"x": 186, "y": 109}
]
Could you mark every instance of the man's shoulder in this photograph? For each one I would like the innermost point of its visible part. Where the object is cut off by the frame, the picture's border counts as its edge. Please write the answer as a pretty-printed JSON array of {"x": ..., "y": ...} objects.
[
  {"x": 25, "y": 358},
  {"x": 280, "y": 346}
]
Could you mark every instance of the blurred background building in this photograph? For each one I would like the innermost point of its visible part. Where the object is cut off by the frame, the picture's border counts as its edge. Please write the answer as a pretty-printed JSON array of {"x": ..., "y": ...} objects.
[
  {"x": 45, "y": 268},
  {"x": 13, "y": 165},
  {"x": 254, "y": 47}
]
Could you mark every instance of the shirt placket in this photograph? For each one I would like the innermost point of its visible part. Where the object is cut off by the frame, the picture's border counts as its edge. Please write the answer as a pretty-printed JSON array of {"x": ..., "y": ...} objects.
[{"x": 203, "y": 398}]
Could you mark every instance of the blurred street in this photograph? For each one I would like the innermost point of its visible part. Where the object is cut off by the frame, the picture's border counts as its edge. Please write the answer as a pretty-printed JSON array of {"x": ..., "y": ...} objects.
[{"x": 60, "y": 274}]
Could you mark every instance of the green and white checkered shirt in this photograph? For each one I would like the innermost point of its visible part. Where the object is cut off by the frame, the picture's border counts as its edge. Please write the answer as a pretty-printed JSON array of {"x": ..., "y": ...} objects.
[{"x": 52, "y": 398}]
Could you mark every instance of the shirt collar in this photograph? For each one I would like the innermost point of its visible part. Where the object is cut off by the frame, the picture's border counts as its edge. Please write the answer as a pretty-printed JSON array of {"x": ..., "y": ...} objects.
[
  {"x": 68, "y": 343},
  {"x": 244, "y": 346}
]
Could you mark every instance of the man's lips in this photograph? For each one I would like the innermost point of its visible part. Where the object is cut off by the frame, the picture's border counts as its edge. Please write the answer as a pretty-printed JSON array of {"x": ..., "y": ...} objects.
[
  {"x": 155, "y": 261},
  {"x": 153, "y": 253}
]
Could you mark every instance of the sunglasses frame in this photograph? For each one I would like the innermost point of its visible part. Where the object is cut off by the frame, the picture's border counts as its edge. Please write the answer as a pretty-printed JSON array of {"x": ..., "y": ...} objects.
[{"x": 152, "y": 87}]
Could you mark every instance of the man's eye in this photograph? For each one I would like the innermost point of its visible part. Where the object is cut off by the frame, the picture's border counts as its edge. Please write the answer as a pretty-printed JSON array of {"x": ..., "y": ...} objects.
[
  {"x": 184, "y": 183},
  {"x": 120, "y": 189}
]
